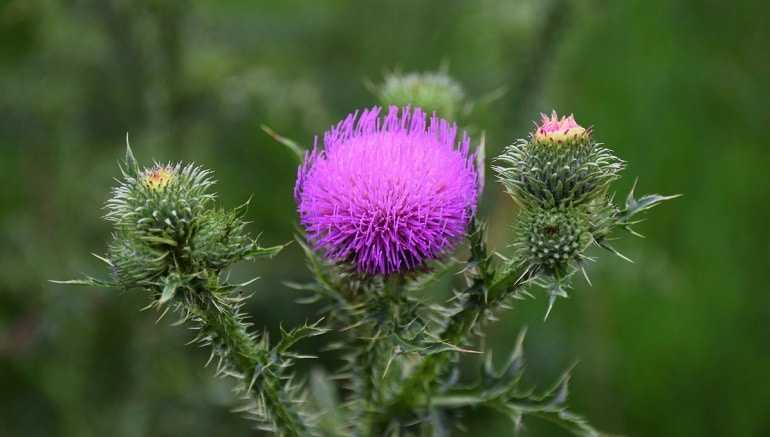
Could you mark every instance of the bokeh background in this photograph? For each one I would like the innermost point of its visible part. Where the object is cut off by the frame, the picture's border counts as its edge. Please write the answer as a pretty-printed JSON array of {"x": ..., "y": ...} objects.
[{"x": 673, "y": 345}]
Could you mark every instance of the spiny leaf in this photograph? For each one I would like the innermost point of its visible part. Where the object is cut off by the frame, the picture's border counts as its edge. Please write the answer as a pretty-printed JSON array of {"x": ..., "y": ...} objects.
[
  {"x": 171, "y": 284},
  {"x": 160, "y": 240},
  {"x": 289, "y": 338},
  {"x": 103, "y": 259},
  {"x": 265, "y": 252},
  {"x": 132, "y": 165},
  {"x": 607, "y": 246},
  {"x": 635, "y": 206}
]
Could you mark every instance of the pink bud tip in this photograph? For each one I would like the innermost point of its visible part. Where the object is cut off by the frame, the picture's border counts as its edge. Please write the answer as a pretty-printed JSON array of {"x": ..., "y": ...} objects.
[{"x": 558, "y": 129}]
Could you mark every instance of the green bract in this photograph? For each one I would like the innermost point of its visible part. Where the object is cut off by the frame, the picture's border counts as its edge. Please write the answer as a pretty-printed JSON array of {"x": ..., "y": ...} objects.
[
  {"x": 552, "y": 239},
  {"x": 553, "y": 172},
  {"x": 161, "y": 205}
]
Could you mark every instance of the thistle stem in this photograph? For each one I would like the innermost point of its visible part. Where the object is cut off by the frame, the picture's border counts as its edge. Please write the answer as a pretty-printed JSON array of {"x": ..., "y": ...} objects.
[
  {"x": 378, "y": 351},
  {"x": 251, "y": 361},
  {"x": 419, "y": 387}
]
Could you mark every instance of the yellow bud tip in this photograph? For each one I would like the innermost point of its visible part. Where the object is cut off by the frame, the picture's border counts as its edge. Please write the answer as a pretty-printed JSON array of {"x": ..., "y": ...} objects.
[{"x": 158, "y": 177}]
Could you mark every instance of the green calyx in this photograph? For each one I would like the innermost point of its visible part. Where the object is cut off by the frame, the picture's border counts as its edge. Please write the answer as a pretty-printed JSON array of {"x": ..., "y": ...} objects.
[
  {"x": 161, "y": 205},
  {"x": 553, "y": 239},
  {"x": 555, "y": 172}
]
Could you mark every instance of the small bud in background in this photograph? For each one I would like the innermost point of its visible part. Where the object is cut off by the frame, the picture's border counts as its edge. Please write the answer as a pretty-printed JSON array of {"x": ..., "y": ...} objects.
[
  {"x": 431, "y": 91},
  {"x": 559, "y": 165}
]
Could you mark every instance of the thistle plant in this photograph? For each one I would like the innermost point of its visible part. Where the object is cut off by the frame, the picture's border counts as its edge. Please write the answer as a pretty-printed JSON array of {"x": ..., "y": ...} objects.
[
  {"x": 171, "y": 241},
  {"x": 383, "y": 199}
]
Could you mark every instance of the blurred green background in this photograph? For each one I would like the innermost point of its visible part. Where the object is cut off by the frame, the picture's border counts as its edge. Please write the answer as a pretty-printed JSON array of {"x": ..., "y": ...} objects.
[{"x": 673, "y": 345}]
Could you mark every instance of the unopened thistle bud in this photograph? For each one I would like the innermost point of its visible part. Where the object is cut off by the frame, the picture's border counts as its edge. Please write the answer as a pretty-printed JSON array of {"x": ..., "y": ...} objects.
[
  {"x": 161, "y": 204},
  {"x": 559, "y": 165},
  {"x": 432, "y": 91},
  {"x": 560, "y": 177},
  {"x": 164, "y": 224},
  {"x": 387, "y": 194}
]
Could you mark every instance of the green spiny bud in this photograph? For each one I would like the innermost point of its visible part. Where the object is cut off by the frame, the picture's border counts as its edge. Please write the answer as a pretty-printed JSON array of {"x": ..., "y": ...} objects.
[
  {"x": 558, "y": 165},
  {"x": 166, "y": 227},
  {"x": 431, "y": 91},
  {"x": 162, "y": 204},
  {"x": 553, "y": 239}
]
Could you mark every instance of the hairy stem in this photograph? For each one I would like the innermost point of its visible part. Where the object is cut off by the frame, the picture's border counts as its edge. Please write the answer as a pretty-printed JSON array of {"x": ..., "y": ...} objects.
[
  {"x": 418, "y": 388},
  {"x": 377, "y": 350},
  {"x": 250, "y": 360}
]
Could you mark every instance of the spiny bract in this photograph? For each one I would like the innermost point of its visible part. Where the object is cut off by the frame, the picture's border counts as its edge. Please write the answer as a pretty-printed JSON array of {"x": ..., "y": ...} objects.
[
  {"x": 387, "y": 194},
  {"x": 552, "y": 239},
  {"x": 558, "y": 165},
  {"x": 160, "y": 204}
]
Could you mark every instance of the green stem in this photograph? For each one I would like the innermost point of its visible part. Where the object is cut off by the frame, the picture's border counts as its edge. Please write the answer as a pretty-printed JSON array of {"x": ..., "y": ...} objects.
[
  {"x": 377, "y": 348},
  {"x": 422, "y": 383},
  {"x": 253, "y": 361}
]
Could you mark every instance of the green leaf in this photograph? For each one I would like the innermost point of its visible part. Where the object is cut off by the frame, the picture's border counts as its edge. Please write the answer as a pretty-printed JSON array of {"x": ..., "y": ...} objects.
[
  {"x": 160, "y": 240},
  {"x": 87, "y": 281},
  {"x": 171, "y": 284},
  {"x": 103, "y": 259},
  {"x": 265, "y": 252},
  {"x": 290, "y": 338},
  {"x": 577, "y": 425},
  {"x": 499, "y": 389},
  {"x": 296, "y": 149},
  {"x": 132, "y": 166},
  {"x": 635, "y": 206}
]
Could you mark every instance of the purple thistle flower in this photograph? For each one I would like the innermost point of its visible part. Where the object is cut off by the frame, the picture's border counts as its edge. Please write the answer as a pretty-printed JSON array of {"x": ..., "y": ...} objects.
[{"x": 387, "y": 194}]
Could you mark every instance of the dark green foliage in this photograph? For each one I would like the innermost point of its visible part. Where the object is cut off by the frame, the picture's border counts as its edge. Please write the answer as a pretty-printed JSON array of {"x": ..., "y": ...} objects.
[{"x": 501, "y": 389}]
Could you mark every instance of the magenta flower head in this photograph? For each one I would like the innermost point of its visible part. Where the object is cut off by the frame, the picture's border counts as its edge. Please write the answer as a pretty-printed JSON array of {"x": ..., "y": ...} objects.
[{"x": 386, "y": 194}]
